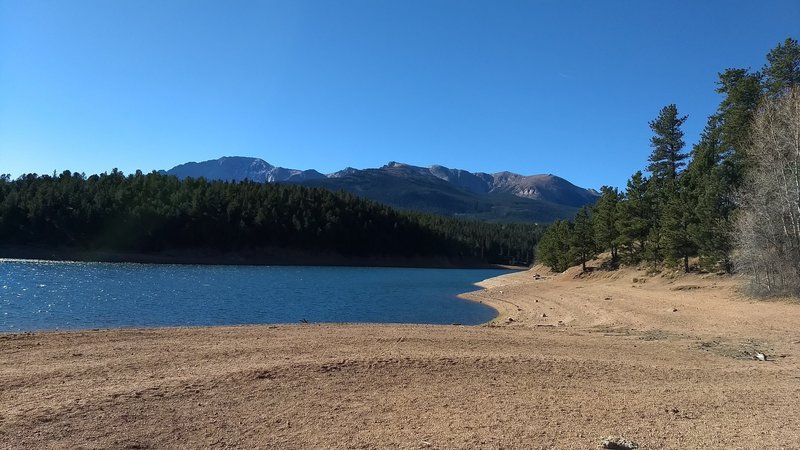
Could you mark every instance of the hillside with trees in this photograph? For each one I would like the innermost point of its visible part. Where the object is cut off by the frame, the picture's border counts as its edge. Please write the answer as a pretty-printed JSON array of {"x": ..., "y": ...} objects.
[
  {"x": 150, "y": 214},
  {"x": 732, "y": 203}
]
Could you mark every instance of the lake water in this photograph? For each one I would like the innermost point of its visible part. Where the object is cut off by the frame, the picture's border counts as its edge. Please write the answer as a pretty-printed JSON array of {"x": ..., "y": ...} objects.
[{"x": 45, "y": 295}]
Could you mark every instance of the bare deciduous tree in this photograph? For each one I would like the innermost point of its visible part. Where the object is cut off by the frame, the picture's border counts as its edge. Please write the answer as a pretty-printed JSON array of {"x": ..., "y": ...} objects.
[{"x": 769, "y": 218}]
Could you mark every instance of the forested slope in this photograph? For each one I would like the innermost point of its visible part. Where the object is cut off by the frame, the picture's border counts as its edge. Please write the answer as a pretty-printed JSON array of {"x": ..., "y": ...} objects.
[{"x": 153, "y": 213}]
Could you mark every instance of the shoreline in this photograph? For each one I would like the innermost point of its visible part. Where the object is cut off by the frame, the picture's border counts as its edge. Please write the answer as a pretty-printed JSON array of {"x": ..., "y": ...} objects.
[
  {"x": 267, "y": 257},
  {"x": 502, "y": 308}
]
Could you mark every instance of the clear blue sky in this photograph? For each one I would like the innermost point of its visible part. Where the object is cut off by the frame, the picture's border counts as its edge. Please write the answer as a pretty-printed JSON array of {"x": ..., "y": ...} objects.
[{"x": 557, "y": 86}]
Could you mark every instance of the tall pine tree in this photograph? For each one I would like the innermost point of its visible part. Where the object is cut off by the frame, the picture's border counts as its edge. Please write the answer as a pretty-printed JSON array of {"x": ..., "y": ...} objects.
[
  {"x": 782, "y": 71},
  {"x": 604, "y": 219},
  {"x": 718, "y": 166},
  {"x": 635, "y": 218},
  {"x": 667, "y": 161},
  {"x": 582, "y": 240},
  {"x": 677, "y": 220},
  {"x": 667, "y": 158}
]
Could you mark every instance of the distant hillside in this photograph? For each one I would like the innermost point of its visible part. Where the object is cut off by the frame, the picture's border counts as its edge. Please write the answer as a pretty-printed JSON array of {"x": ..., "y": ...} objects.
[{"x": 503, "y": 196}]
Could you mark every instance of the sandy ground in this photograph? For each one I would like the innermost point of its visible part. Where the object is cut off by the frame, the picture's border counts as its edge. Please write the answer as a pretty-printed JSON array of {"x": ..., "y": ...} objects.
[{"x": 666, "y": 362}]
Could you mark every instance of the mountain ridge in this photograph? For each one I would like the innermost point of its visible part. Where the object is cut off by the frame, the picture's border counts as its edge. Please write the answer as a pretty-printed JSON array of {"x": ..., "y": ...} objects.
[{"x": 501, "y": 196}]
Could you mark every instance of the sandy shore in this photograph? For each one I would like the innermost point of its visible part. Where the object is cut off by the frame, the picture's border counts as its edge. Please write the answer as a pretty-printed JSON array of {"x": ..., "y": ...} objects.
[{"x": 666, "y": 362}]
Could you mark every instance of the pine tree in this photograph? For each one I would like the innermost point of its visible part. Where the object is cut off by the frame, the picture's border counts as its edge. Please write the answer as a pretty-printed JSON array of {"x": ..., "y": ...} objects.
[
  {"x": 554, "y": 246},
  {"x": 666, "y": 163},
  {"x": 605, "y": 218},
  {"x": 718, "y": 166},
  {"x": 667, "y": 158},
  {"x": 711, "y": 197},
  {"x": 635, "y": 218},
  {"x": 677, "y": 220},
  {"x": 582, "y": 244},
  {"x": 782, "y": 71},
  {"x": 742, "y": 91},
  {"x": 656, "y": 194}
]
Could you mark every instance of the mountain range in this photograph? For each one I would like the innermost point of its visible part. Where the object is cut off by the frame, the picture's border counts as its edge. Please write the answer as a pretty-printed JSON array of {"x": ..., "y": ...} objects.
[{"x": 502, "y": 196}]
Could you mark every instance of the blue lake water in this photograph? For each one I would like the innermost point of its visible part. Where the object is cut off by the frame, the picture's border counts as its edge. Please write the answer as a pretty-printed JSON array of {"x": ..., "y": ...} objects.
[{"x": 45, "y": 295}]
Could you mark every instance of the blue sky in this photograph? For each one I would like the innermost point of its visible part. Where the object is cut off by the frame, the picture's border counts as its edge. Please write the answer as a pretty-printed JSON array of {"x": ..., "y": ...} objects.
[{"x": 560, "y": 87}]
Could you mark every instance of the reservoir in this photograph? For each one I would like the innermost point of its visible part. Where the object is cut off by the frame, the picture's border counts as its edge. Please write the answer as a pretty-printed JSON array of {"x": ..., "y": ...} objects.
[{"x": 47, "y": 295}]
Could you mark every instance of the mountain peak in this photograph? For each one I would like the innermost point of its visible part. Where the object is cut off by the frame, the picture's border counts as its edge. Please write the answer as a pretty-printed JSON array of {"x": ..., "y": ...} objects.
[
  {"x": 400, "y": 165},
  {"x": 342, "y": 173},
  {"x": 239, "y": 168}
]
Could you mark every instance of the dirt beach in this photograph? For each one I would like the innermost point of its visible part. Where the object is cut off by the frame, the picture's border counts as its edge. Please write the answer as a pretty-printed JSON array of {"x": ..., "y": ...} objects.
[{"x": 668, "y": 362}]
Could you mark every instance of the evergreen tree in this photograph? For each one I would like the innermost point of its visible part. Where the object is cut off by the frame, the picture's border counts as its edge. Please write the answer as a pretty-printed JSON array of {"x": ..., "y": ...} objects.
[
  {"x": 666, "y": 162},
  {"x": 554, "y": 246},
  {"x": 711, "y": 196},
  {"x": 653, "y": 253},
  {"x": 635, "y": 218},
  {"x": 782, "y": 71},
  {"x": 582, "y": 244},
  {"x": 605, "y": 218},
  {"x": 718, "y": 166},
  {"x": 667, "y": 157},
  {"x": 742, "y": 91},
  {"x": 677, "y": 220}
]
